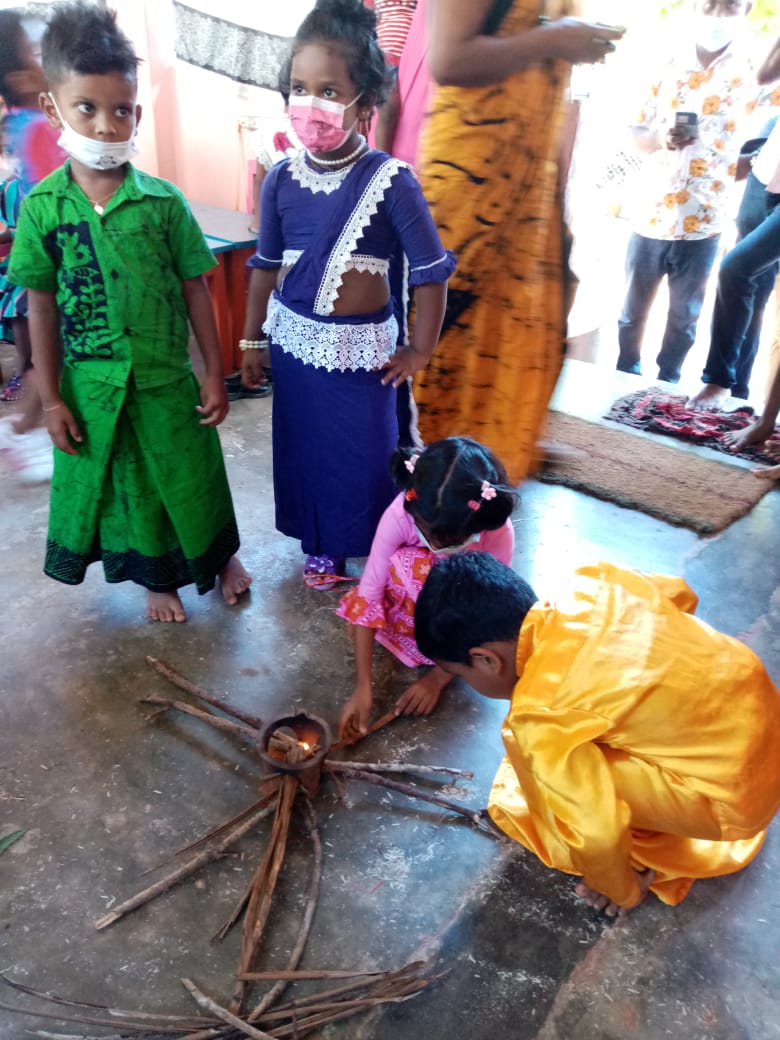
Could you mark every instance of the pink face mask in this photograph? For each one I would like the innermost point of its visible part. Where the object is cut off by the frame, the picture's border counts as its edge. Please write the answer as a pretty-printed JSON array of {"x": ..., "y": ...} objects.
[{"x": 319, "y": 123}]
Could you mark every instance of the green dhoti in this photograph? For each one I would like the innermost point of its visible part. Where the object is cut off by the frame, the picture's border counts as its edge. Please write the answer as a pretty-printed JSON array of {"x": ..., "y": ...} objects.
[{"x": 146, "y": 492}]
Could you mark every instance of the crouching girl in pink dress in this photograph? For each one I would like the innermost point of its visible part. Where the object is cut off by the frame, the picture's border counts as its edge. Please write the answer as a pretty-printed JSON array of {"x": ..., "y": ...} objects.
[{"x": 454, "y": 496}]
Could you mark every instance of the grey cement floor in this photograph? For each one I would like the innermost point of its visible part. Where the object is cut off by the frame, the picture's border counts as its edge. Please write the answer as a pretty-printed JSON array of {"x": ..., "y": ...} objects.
[{"x": 105, "y": 791}]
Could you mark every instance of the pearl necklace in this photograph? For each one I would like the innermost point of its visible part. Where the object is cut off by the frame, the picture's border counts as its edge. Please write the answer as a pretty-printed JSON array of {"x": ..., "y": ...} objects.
[{"x": 338, "y": 162}]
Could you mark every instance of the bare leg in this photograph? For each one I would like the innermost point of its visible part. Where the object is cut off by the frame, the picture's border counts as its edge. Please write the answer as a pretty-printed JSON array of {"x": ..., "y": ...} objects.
[
  {"x": 710, "y": 398},
  {"x": 423, "y": 696},
  {"x": 164, "y": 606},
  {"x": 234, "y": 580}
]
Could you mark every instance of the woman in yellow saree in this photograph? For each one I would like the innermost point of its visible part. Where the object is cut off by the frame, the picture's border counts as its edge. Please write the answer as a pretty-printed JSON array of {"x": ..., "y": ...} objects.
[{"x": 489, "y": 169}]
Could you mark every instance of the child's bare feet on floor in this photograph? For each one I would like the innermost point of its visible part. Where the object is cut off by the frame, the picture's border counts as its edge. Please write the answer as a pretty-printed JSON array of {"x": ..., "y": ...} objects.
[
  {"x": 602, "y": 902},
  {"x": 234, "y": 580},
  {"x": 164, "y": 606},
  {"x": 423, "y": 696}
]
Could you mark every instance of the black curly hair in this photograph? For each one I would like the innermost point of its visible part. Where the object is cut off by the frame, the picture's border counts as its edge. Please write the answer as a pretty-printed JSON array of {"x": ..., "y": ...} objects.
[
  {"x": 84, "y": 38},
  {"x": 351, "y": 27},
  {"x": 444, "y": 485}
]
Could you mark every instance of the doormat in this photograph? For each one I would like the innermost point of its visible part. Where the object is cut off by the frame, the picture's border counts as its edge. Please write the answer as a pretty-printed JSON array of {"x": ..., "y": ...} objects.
[
  {"x": 657, "y": 411},
  {"x": 638, "y": 473}
]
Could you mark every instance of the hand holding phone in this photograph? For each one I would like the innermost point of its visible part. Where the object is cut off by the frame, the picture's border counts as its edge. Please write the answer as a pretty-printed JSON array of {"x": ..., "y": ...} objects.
[{"x": 684, "y": 131}]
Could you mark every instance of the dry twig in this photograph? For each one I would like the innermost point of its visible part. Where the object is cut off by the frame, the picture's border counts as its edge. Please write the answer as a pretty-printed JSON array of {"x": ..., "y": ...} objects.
[
  {"x": 224, "y": 725},
  {"x": 232, "y": 1020},
  {"x": 164, "y": 669},
  {"x": 204, "y": 856},
  {"x": 412, "y": 792},
  {"x": 397, "y": 767}
]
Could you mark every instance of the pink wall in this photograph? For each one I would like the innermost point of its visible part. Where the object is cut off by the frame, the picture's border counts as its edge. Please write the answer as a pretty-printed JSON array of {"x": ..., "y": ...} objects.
[{"x": 190, "y": 131}]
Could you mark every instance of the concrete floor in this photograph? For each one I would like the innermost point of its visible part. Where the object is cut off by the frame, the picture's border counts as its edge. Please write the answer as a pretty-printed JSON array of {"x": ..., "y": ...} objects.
[{"x": 104, "y": 792}]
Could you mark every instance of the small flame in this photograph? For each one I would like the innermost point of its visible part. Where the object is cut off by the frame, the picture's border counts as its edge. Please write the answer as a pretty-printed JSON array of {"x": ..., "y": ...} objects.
[{"x": 305, "y": 746}]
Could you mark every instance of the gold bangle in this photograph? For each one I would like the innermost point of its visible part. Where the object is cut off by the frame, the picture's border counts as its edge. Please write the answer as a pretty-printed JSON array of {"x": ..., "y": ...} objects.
[
  {"x": 52, "y": 408},
  {"x": 252, "y": 344}
]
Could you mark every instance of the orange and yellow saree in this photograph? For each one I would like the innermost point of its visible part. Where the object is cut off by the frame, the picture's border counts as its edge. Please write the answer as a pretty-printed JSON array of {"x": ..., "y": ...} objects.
[{"x": 489, "y": 171}]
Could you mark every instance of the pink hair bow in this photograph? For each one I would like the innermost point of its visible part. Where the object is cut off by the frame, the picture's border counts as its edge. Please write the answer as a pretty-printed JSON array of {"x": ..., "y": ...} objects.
[{"x": 487, "y": 492}]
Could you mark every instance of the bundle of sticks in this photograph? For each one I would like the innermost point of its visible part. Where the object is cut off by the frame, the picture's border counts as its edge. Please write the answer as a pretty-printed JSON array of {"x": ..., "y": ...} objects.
[{"x": 282, "y": 794}]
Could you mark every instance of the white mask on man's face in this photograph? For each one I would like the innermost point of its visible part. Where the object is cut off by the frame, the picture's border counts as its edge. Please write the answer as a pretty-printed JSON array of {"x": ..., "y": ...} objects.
[
  {"x": 98, "y": 155},
  {"x": 714, "y": 33}
]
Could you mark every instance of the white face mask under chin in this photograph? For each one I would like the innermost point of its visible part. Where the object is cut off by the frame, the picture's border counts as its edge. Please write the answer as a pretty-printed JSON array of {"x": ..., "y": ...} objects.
[
  {"x": 713, "y": 33},
  {"x": 97, "y": 155}
]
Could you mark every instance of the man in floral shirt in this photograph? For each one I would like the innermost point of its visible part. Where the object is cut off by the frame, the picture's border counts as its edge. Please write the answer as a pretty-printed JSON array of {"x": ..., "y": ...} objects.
[{"x": 688, "y": 171}]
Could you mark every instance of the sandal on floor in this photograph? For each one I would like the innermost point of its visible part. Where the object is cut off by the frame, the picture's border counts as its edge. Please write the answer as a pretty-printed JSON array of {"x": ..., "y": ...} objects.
[
  {"x": 322, "y": 572},
  {"x": 13, "y": 390},
  {"x": 236, "y": 390}
]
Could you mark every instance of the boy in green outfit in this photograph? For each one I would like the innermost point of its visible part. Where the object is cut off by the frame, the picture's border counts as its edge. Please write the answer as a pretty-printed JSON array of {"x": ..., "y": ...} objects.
[{"x": 113, "y": 261}]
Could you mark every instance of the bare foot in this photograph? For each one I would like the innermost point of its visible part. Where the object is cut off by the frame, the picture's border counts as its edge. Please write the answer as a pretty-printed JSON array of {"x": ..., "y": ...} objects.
[
  {"x": 423, "y": 696},
  {"x": 710, "y": 398},
  {"x": 602, "y": 902},
  {"x": 164, "y": 606},
  {"x": 234, "y": 580},
  {"x": 769, "y": 473},
  {"x": 758, "y": 431}
]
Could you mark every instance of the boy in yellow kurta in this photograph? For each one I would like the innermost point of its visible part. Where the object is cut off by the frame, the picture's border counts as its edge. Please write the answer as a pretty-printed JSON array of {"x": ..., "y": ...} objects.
[{"x": 642, "y": 746}]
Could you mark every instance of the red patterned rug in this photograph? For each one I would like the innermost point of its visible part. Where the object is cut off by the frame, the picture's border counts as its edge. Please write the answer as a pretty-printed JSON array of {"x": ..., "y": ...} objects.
[{"x": 657, "y": 411}]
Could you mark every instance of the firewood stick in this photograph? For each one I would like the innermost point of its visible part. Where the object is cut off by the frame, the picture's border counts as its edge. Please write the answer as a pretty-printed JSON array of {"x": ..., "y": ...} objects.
[
  {"x": 304, "y": 976},
  {"x": 88, "y": 1020},
  {"x": 397, "y": 767},
  {"x": 276, "y": 990},
  {"x": 211, "y": 836},
  {"x": 380, "y": 723},
  {"x": 213, "y": 720},
  {"x": 260, "y": 902},
  {"x": 144, "y": 1020},
  {"x": 348, "y": 1009},
  {"x": 164, "y": 669},
  {"x": 412, "y": 792},
  {"x": 334, "y": 994},
  {"x": 232, "y": 1020},
  {"x": 184, "y": 870}
]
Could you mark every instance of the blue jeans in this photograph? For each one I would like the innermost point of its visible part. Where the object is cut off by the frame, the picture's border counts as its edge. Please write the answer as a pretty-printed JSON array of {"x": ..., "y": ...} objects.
[
  {"x": 745, "y": 281},
  {"x": 687, "y": 265}
]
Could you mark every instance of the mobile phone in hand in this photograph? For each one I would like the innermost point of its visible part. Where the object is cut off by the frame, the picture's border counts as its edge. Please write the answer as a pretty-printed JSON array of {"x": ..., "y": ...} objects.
[{"x": 688, "y": 122}]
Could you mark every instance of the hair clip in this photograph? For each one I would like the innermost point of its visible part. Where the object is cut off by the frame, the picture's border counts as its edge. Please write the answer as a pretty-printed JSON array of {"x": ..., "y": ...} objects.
[
  {"x": 487, "y": 492},
  {"x": 411, "y": 462},
  {"x": 411, "y": 495}
]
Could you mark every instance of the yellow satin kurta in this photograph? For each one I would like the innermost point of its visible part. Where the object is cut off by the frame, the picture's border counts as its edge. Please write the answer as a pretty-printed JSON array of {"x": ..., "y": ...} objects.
[
  {"x": 488, "y": 168},
  {"x": 638, "y": 737}
]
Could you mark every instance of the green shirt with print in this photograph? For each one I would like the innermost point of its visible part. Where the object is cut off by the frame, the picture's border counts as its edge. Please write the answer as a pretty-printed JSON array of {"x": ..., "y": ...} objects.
[{"x": 117, "y": 275}]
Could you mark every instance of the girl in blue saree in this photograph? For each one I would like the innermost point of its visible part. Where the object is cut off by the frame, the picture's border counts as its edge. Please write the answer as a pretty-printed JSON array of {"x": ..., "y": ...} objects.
[{"x": 345, "y": 234}]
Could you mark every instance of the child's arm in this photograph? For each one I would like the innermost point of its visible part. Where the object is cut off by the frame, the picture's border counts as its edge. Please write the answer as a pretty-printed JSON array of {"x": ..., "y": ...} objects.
[
  {"x": 353, "y": 722},
  {"x": 393, "y": 530},
  {"x": 430, "y": 300},
  {"x": 213, "y": 396},
  {"x": 44, "y": 336},
  {"x": 261, "y": 284}
]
